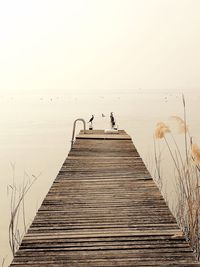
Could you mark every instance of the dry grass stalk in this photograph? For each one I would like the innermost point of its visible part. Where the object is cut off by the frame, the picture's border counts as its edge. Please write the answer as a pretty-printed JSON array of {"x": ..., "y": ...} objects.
[
  {"x": 187, "y": 179},
  {"x": 17, "y": 210},
  {"x": 158, "y": 170},
  {"x": 3, "y": 262}
]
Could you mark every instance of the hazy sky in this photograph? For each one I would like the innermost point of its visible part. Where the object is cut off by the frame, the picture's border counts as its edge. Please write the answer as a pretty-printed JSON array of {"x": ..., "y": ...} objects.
[{"x": 90, "y": 45}]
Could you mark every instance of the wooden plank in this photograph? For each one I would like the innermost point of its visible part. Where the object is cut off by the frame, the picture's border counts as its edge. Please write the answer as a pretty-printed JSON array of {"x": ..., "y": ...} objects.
[
  {"x": 100, "y": 134},
  {"x": 104, "y": 209}
]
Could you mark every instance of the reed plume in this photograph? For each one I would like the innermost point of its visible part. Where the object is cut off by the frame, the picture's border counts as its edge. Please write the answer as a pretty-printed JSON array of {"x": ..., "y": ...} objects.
[
  {"x": 196, "y": 153},
  {"x": 187, "y": 178},
  {"x": 182, "y": 127},
  {"x": 161, "y": 130}
]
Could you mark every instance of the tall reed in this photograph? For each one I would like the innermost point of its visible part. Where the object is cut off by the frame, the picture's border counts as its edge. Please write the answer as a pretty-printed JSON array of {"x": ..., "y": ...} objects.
[
  {"x": 187, "y": 176},
  {"x": 3, "y": 261},
  {"x": 18, "y": 225}
]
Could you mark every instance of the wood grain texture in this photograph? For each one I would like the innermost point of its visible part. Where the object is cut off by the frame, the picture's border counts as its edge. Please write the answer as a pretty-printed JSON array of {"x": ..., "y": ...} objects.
[{"x": 104, "y": 209}]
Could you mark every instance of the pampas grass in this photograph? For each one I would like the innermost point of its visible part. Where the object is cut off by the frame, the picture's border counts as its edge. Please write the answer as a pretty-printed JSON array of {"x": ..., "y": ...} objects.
[
  {"x": 187, "y": 177},
  {"x": 196, "y": 153},
  {"x": 161, "y": 130},
  {"x": 182, "y": 127}
]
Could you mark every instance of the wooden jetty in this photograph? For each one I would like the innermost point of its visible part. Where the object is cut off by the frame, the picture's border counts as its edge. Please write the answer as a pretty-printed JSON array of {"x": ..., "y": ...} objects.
[{"x": 104, "y": 209}]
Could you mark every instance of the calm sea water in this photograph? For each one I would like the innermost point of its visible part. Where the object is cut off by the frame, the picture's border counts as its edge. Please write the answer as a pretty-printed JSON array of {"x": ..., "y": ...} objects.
[{"x": 36, "y": 133}]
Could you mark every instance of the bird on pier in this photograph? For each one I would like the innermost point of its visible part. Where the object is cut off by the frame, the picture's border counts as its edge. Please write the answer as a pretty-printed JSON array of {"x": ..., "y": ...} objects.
[
  {"x": 102, "y": 115},
  {"x": 91, "y": 119},
  {"x": 112, "y": 120}
]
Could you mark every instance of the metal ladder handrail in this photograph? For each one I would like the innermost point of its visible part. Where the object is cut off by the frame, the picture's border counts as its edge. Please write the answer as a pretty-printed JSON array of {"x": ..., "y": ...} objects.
[{"x": 74, "y": 126}]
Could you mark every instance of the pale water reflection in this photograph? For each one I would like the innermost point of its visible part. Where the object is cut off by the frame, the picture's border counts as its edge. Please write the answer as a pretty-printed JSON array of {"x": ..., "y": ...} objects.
[{"x": 36, "y": 133}]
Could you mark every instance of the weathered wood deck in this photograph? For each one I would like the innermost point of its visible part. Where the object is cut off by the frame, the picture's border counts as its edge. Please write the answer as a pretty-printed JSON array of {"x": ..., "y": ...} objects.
[{"x": 104, "y": 210}]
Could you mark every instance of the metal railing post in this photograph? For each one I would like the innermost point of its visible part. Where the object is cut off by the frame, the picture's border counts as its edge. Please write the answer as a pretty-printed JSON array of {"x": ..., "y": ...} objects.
[{"x": 74, "y": 128}]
